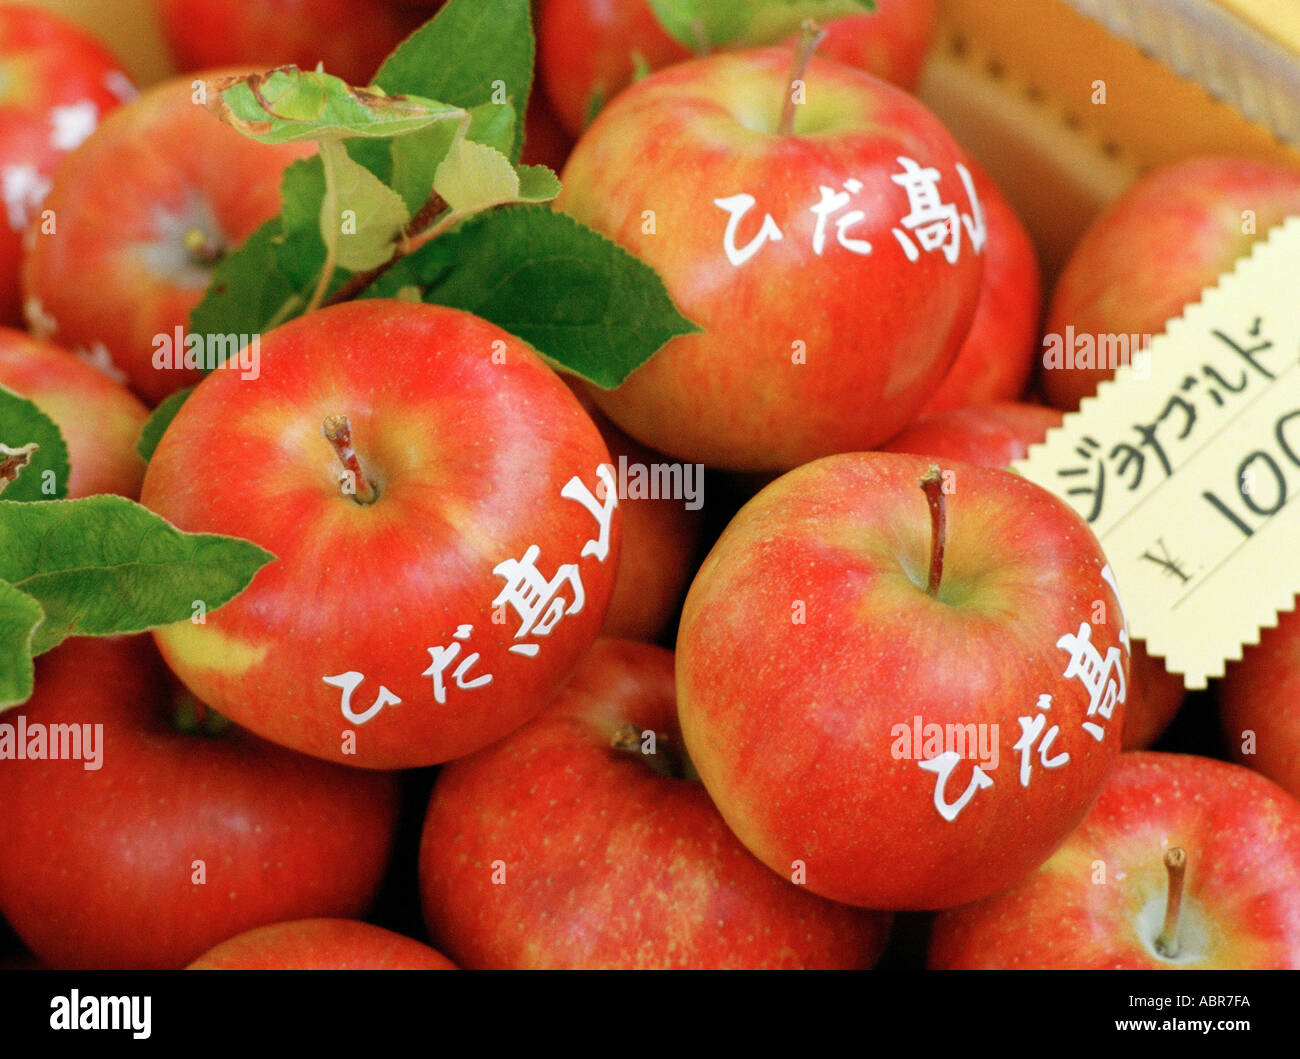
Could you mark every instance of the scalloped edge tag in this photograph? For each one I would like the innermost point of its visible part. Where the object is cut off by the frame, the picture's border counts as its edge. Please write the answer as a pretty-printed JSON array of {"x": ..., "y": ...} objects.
[{"x": 1187, "y": 466}]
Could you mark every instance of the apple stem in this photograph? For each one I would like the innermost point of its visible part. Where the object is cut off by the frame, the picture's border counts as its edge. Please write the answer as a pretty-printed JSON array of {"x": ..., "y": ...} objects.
[
  {"x": 338, "y": 431},
  {"x": 668, "y": 759},
  {"x": 932, "y": 483},
  {"x": 810, "y": 35},
  {"x": 1176, "y": 866},
  {"x": 195, "y": 717},
  {"x": 203, "y": 249}
]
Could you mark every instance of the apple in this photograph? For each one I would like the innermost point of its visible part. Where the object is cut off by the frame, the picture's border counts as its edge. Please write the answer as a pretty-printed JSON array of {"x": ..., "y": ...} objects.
[
  {"x": 350, "y": 37},
  {"x": 997, "y": 358},
  {"x": 916, "y": 710},
  {"x": 443, "y": 560},
  {"x": 321, "y": 945},
  {"x": 826, "y": 321},
  {"x": 56, "y": 83},
  {"x": 545, "y": 140},
  {"x": 997, "y": 435},
  {"x": 661, "y": 534},
  {"x": 1152, "y": 253},
  {"x": 588, "y": 51},
  {"x": 166, "y": 837},
  {"x": 583, "y": 841},
  {"x": 1259, "y": 704},
  {"x": 100, "y": 419},
  {"x": 1183, "y": 862},
  {"x": 143, "y": 211}
]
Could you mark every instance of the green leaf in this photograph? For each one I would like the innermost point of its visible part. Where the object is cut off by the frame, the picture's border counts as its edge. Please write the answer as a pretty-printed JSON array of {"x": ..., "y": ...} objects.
[
  {"x": 22, "y": 423},
  {"x": 595, "y": 104},
  {"x": 581, "y": 300},
  {"x": 774, "y": 20},
  {"x": 299, "y": 249},
  {"x": 288, "y": 105},
  {"x": 362, "y": 216},
  {"x": 474, "y": 176},
  {"x": 377, "y": 155},
  {"x": 704, "y": 24},
  {"x": 416, "y": 157},
  {"x": 20, "y": 615},
  {"x": 103, "y": 565},
  {"x": 159, "y": 421},
  {"x": 415, "y": 160},
  {"x": 248, "y": 291},
  {"x": 537, "y": 184},
  {"x": 466, "y": 53},
  {"x": 493, "y": 124}
]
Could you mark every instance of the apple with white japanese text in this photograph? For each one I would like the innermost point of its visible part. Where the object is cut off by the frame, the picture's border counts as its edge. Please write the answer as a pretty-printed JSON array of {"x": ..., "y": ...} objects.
[
  {"x": 443, "y": 558},
  {"x": 996, "y": 359},
  {"x": 835, "y": 626},
  {"x": 831, "y": 249},
  {"x": 996, "y": 435}
]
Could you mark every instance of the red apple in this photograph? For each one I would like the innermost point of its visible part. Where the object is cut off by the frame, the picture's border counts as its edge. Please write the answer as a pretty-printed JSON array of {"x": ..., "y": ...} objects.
[
  {"x": 350, "y": 37},
  {"x": 1101, "y": 901},
  {"x": 996, "y": 435},
  {"x": 144, "y": 209},
  {"x": 321, "y": 945},
  {"x": 661, "y": 533},
  {"x": 100, "y": 419},
  {"x": 992, "y": 435},
  {"x": 1151, "y": 254},
  {"x": 56, "y": 82},
  {"x": 545, "y": 141},
  {"x": 942, "y": 695},
  {"x": 420, "y": 621},
  {"x": 825, "y": 340},
  {"x": 569, "y": 845},
  {"x": 590, "y": 50},
  {"x": 160, "y": 843},
  {"x": 997, "y": 358},
  {"x": 1259, "y": 701}
]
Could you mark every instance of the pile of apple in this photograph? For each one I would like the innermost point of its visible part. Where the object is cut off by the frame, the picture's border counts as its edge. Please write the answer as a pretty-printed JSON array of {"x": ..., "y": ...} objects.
[{"x": 456, "y": 564}]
